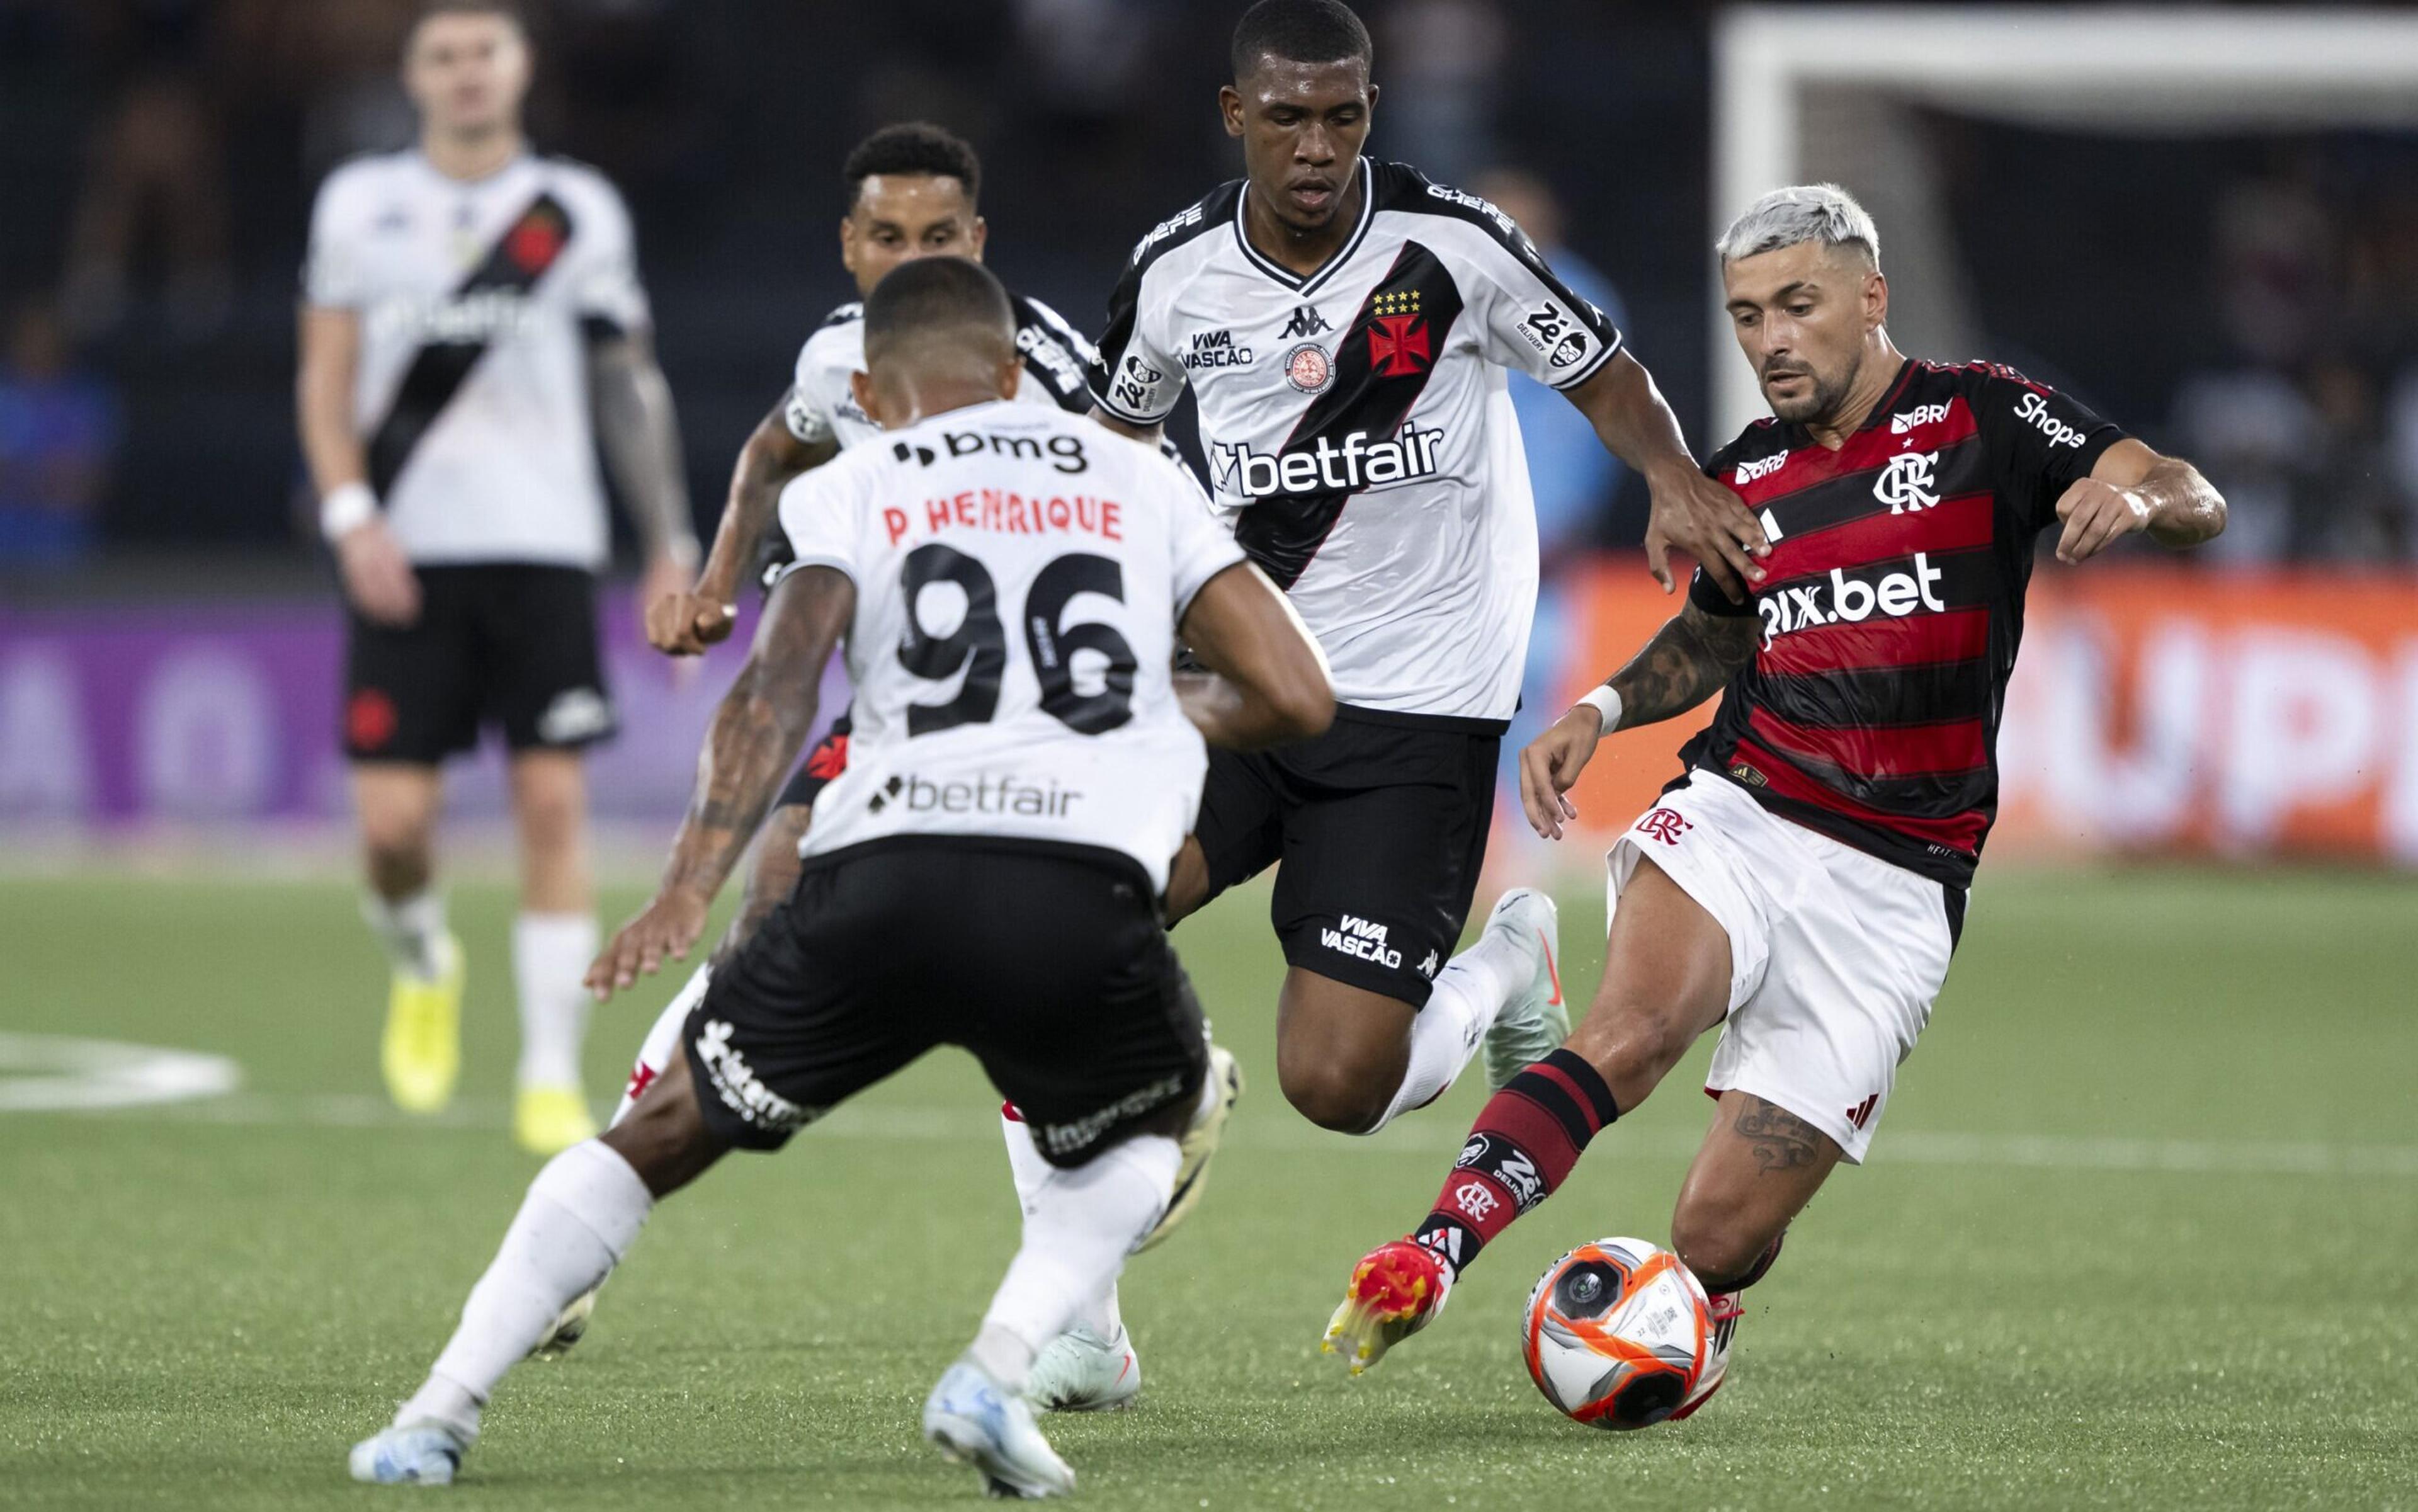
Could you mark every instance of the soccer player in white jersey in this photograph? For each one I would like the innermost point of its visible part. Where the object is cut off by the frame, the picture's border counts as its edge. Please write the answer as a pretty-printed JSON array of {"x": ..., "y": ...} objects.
[
  {"x": 913, "y": 191},
  {"x": 1009, "y": 581},
  {"x": 465, "y": 303},
  {"x": 1346, "y": 326}
]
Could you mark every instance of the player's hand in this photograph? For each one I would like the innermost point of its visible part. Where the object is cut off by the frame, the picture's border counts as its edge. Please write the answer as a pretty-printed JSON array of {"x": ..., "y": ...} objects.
[
  {"x": 1699, "y": 516},
  {"x": 377, "y": 575},
  {"x": 1550, "y": 767},
  {"x": 665, "y": 929},
  {"x": 681, "y": 620},
  {"x": 2096, "y": 516}
]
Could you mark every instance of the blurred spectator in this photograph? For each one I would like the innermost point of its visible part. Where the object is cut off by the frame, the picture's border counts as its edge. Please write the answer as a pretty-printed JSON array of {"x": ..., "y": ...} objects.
[
  {"x": 154, "y": 180},
  {"x": 58, "y": 428},
  {"x": 1438, "y": 62}
]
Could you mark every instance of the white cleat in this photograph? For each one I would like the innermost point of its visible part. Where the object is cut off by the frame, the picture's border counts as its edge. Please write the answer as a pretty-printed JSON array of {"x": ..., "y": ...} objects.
[
  {"x": 569, "y": 1327},
  {"x": 415, "y": 1453},
  {"x": 1536, "y": 1021},
  {"x": 974, "y": 1420},
  {"x": 1082, "y": 1372},
  {"x": 1200, "y": 1144}
]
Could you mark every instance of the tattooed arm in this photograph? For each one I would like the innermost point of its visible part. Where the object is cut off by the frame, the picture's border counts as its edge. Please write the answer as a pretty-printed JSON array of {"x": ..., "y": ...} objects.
[
  {"x": 1689, "y": 659},
  {"x": 755, "y": 740}
]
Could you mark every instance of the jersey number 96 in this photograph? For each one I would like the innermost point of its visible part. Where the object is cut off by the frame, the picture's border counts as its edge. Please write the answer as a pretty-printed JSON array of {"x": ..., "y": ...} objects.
[{"x": 979, "y": 643}]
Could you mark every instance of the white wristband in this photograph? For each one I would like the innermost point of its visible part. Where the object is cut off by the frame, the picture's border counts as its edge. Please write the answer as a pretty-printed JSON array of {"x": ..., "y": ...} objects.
[
  {"x": 347, "y": 508},
  {"x": 1606, "y": 703}
]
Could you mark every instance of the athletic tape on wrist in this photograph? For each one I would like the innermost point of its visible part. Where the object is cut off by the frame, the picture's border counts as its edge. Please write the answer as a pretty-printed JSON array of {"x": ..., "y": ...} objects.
[
  {"x": 345, "y": 508},
  {"x": 1605, "y": 701}
]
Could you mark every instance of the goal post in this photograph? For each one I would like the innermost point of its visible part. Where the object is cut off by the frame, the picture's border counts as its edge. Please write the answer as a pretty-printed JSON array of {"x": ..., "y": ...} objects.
[{"x": 1782, "y": 73}]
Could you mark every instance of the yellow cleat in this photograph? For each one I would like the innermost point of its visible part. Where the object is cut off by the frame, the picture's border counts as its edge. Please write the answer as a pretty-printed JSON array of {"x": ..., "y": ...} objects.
[
  {"x": 546, "y": 1120},
  {"x": 421, "y": 1051},
  {"x": 1199, "y": 1144}
]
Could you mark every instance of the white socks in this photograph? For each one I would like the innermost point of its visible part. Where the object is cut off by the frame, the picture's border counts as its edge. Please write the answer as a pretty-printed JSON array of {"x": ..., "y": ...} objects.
[
  {"x": 1470, "y": 990},
  {"x": 575, "y": 1225},
  {"x": 409, "y": 928},
  {"x": 1080, "y": 1226},
  {"x": 663, "y": 1042},
  {"x": 550, "y": 954}
]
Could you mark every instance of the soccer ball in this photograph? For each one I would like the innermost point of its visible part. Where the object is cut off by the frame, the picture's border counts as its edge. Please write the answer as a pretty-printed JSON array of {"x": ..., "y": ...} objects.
[{"x": 1617, "y": 1334}]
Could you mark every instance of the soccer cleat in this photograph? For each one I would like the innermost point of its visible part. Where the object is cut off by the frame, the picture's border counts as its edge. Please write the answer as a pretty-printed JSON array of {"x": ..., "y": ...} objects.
[
  {"x": 1200, "y": 1144},
  {"x": 569, "y": 1327},
  {"x": 1396, "y": 1290},
  {"x": 422, "y": 1050},
  {"x": 409, "y": 1453},
  {"x": 546, "y": 1120},
  {"x": 1082, "y": 1372},
  {"x": 1535, "y": 1022},
  {"x": 1725, "y": 1311},
  {"x": 974, "y": 1420}
]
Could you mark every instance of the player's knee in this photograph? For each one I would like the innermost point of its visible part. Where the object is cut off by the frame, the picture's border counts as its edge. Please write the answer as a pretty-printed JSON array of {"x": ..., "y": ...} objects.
[
  {"x": 550, "y": 821},
  {"x": 395, "y": 847},
  {"x": 1633, "y": 1044},
  {"x": 1720, "y": 1241},
  {"x": 1336, "y": 1094}
]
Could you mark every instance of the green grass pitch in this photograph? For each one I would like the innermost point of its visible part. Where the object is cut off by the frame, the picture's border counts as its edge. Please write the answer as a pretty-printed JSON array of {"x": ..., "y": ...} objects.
[{"x": 2138, "y": 1232}]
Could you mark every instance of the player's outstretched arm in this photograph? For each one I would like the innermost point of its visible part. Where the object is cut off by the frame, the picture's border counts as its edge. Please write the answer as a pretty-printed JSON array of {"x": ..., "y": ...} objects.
[
  {"x": 755, "y": 740},
  {"x": 639, "y": 435},
  {"x": 2133, "y": 489},
  {"x": 1267, "y": 680},
  {"x": 1691, "y": 511},
  {"x": 1689, "y": 659},
  {"x": 686, "y": 620}
]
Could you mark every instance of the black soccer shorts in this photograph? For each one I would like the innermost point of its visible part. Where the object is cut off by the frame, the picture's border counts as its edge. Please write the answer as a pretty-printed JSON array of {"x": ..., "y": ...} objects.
[
  {"x": 512, "y": 644},
  {"x": 1380, "y": 825},
  {"x": 1048, "y": 961}
]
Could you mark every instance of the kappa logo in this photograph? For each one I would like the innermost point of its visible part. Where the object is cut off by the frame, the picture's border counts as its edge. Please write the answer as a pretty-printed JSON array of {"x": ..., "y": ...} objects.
[
  {"x": 1428, "y": 968},
  {"x": 1305, "y": 321},
  {"x": 1363, "y": 939},
  {"x": 1907, "y": 484},
  {"x": 1215, "y": 349},
  {"x": 1761, "y": 467},
  {"x": 1664, "y": 824},
  {"x": 1906, "y": 420}
]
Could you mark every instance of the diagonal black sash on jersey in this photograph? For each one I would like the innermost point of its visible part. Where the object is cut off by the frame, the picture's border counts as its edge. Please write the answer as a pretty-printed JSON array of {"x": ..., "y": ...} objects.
[
  {"x": 512, "y": 265},
  {"x": 1380, "y": 368}
]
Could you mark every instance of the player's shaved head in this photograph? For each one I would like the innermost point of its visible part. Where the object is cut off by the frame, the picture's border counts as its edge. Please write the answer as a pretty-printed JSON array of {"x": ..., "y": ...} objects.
[
  {"x": 938, "y": 301},
  {"x": 1299, "y": 31}
]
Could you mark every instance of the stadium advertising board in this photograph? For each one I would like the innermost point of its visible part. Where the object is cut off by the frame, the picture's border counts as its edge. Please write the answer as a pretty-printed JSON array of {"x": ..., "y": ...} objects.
[{"x": 2154, "y": 709}]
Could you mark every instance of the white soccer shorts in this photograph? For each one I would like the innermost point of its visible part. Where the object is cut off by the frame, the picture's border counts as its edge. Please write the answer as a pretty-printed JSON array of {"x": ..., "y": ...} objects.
[{"x": 1835, "y": 955}]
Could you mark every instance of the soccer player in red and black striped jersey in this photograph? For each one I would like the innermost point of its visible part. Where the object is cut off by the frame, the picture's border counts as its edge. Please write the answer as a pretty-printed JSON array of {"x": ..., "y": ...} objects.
[{"x": 1802, "y": 882}]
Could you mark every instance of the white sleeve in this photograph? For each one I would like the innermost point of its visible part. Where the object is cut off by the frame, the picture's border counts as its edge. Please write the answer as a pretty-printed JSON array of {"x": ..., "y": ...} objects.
[
  {"x": 1133, "y": 376},
  {"x": 334, "y": 276},
  {"x": 818, "y": 515},
  {"x": 608, "y": 290},
  {"x": 1199, "y": 545},
  {"x": 807, "y": 418},
  {"x": 1529, "y": 320}
]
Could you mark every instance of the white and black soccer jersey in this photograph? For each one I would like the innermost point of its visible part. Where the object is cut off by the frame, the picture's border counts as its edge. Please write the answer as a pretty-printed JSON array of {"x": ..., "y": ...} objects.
[
  {"x": 1019, "y": 573},
  {"x": 822, "y": 408},
  {"x": 1358, "y": 422},
  {"x": 476, "y": 300}
]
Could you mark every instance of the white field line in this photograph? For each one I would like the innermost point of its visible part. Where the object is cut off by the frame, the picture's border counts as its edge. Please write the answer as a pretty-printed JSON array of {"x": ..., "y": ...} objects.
[{"x": 979, "y": 1126}]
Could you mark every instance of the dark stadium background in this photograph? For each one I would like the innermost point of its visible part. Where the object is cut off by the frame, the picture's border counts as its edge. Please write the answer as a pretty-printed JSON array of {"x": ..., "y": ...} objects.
[{"x": 724, "y": 122}]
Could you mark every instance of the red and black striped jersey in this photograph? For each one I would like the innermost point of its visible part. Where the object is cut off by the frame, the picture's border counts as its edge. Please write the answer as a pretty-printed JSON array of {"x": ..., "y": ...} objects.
[{"x": 1893, "y": 607}]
